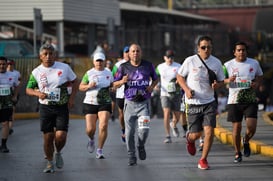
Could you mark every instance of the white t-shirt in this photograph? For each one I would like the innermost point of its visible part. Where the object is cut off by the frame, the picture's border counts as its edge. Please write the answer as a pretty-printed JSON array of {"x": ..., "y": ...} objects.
[
  {"x": 49, "y": 80},
  {"x": 120, "y": 90},
  {"x": 7, "y": 81},
  {"x": 16, "y": 74},
  {"x": 197, "y": 78},
  {"x": 103, "y": 79},
  {"x": 245, "y": 72},
  {"x": 167, "y": 73}
]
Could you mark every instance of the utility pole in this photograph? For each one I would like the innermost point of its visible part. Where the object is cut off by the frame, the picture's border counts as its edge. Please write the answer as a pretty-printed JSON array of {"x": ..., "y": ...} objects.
[
  {"x": 38, "y": 28},
  {"x": 170, "y": 4}
]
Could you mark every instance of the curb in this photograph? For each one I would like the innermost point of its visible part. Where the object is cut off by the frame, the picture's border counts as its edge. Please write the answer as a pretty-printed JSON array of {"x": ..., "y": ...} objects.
[
  {"x": 36, "y": 115},
  {"x": 257, "y": 147}
]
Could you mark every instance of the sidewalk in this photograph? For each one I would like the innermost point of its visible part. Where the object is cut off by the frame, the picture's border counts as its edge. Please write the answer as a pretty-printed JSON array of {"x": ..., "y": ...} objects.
[{"x": 261, "y": 143}]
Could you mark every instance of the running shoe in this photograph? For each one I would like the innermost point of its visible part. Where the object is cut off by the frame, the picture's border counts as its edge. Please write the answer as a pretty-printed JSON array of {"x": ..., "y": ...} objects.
[
  {"x": 203, "y": 164},
  {"x": 132, "y": 161},
  {"x": 99, "y": 154},
  {"x": 246, "y": 149},
  {"x": 141, "y": 152},
  {"x": 49, "y": 167},
  {"x": 238, "y": 157},
  {"x": 168, "y": 139},
  {"x": 59, "y": 160},
  {"x": 91, "y": 146},
  {"x": 174, "y": 130},
  {"x": 4, "y": 149},
  {"x": 190, "y": 146}
]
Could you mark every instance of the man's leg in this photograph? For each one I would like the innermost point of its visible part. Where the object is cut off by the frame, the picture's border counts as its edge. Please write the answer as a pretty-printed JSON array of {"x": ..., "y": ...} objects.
[
  {"x": 49, "y": 145},
  {"x": 236, "y": 135},
  {"x": 208, "y": 140},
  {"x": 251, "y": 125}
]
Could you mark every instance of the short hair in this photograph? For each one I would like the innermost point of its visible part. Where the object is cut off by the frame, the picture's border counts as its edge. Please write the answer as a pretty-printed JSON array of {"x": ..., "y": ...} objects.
[
  {"x": 47, "y": 46},
  {"x": 3, "y": 58},
  {"x": 240, "y": 43},
  {"x": 207, "y": 38}
]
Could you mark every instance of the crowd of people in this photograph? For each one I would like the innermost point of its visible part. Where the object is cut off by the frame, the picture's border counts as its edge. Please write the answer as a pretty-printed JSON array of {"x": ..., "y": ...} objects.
[{"x": 186, "y": 92}]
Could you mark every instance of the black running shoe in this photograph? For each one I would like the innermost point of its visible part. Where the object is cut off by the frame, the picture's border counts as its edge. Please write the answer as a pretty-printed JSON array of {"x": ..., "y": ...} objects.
[
  {"x": 4, "y": 149},
  {"x": 141, "y": 152},
  {"x": 132, "y": 161},
  {"x": 238, "y": 157}
]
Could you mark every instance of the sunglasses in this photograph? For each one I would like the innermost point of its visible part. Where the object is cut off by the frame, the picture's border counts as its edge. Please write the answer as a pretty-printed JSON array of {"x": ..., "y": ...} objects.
[
  {"x": 170, "y": 57},
  {"x": 205, "y": 47}
]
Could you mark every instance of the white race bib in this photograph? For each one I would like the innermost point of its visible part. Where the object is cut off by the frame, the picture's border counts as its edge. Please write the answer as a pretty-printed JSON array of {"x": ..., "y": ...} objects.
[
  {"x": 53, "y": 94},
  {"x": 171, "y": 87},
  {"x": 144, "y": 122},
  {"x": 5, "y": 91},
  {"x": 243, "y": 82}
]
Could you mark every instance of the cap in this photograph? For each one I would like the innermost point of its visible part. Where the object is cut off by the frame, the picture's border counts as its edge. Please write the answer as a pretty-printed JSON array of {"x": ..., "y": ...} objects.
[
  {"x": 99, "y": 56},
  {"x": 11, "y": 62},
  {"x": 126, "y": 49},
  {"x": 169, "y": 53}
]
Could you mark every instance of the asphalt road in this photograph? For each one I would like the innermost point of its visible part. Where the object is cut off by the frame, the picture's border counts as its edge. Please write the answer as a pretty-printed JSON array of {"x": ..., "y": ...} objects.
[{"x": 164, "y": 161}]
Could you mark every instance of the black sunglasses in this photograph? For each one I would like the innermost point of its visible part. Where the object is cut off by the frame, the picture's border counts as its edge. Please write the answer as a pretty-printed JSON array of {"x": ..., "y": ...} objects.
[{"x": 205, "y": 47}]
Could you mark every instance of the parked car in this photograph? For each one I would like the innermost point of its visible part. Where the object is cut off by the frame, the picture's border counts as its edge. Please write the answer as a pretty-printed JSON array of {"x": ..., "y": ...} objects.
[{"x": 15, "y": 48}]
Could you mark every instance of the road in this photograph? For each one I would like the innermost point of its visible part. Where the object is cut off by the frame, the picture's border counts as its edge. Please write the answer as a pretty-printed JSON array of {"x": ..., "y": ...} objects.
[{"x": 164, "y": 161}]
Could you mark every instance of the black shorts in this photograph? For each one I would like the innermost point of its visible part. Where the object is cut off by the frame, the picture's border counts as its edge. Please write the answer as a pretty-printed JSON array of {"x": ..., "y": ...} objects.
[
  {"x": 120, "y": 103},
  {"x": 236, "y": 112},
  {"x": 94, "y": 109},
  {"x": 5, "y": 114},
  {"x": 113, "y": 96},
  {"x": 54, "y": 117}
]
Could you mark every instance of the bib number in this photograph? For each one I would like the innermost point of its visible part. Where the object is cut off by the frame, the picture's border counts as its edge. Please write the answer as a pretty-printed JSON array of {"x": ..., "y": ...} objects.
[
  {"x": 5, "y": 91},
  {"x": 53, "y": 94},
  {"x": 171, "y": 87},
  {"x": 243, "y": 82},
  {"x": 144, "y": 122}
]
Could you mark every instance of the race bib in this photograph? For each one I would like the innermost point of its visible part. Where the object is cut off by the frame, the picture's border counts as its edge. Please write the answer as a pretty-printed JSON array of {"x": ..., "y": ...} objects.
[
  {"x": 242, "y": 82},
  {"x": 144, "y": 122},
  {"x": 171, "y": 87},
  {"x": 53, "y": 94},
  {"x": 5, "y": 91}
]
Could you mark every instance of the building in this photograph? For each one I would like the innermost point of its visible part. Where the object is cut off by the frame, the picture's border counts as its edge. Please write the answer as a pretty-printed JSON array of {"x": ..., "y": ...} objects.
[{"x": 79, "y": 25}]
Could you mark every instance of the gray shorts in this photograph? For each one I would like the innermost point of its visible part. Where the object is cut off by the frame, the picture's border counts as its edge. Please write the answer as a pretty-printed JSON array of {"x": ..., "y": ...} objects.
[
  {"x": 201, "y": 115},
  {"x": 173, "y": 103}
]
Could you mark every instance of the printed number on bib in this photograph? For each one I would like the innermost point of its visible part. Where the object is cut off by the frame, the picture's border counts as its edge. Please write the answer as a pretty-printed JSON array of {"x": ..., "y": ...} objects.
[
  {"x": 5, "y": 91},
  {"x": 54, "y": 94},
  {"x": 171, "y": 87},
  {"x": 143, "y": 122}
]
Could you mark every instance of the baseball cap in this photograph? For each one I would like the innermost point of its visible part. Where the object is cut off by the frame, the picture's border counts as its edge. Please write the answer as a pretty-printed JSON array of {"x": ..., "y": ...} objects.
[
  {"x": 10, "y": 62},
  {"x": 169, "y": 53},
  {"x": 99, "y": 56},
  {"x": 126, "y": 49}
]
